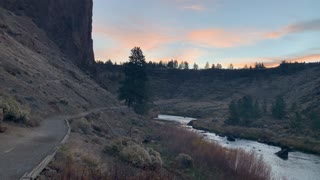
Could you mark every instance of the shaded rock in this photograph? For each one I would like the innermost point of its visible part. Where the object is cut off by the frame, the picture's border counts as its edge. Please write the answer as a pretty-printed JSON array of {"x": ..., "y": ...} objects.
[
  {"x": 283, "y": 153},
  {"x": 184, "y": 161},
  {"x": 191, "y": 123},
  {"x": 231, "y": 138}
]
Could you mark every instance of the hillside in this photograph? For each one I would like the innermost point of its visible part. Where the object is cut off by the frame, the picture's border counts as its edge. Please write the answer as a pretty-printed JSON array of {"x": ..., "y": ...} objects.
[
  {"x": 206, "y": 94},
  {"x": 36, "y": 72}
]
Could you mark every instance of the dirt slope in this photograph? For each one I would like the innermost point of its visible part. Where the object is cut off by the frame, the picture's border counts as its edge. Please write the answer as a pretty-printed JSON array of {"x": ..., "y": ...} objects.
[{"x": 34, "y": 71}]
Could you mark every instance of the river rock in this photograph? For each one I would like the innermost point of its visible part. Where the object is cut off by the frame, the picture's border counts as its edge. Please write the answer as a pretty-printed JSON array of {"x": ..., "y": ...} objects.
[
  {"x": 231, "y": 138},
  {"x": 190, "y": 123},
  {"x": 283, "y": 153}
]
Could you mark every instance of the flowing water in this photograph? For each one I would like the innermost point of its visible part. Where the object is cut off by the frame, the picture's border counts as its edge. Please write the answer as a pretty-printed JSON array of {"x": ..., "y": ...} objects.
[{"x": 299, "y": 166}]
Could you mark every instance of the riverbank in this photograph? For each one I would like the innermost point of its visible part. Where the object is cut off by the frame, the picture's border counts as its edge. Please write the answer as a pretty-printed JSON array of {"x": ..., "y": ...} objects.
[{"x": 263, "y": 135}]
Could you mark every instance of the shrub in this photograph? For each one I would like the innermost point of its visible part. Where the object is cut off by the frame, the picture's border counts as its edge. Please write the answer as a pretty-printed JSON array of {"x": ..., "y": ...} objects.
[
  {"x": 81, "y": 125},
  {"x": 135, "y": 155},
  {"x": 14, "y": 112},
  {"x": 131, "y": 152},
  {"x": 184, "y": 161}
]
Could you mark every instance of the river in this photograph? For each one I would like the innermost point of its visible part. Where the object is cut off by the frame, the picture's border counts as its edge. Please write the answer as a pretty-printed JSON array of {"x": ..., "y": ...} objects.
[{"x": 299, "y": 166}]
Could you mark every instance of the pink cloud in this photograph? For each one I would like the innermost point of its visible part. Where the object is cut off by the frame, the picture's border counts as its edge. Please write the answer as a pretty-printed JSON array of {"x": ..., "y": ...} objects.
[
  {"x": 127, "y": 38},
  {"x": 195, "y": 7},
  {"x": 190, "y": 55},
  {"x": 306, "y": 26},
  {"x": 272, "y": 61},
  {"x": 218, "y": 38}
]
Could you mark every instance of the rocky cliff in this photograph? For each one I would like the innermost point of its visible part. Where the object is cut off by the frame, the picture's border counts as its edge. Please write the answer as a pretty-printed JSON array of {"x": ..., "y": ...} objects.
[{"x": 67, "y": 22}]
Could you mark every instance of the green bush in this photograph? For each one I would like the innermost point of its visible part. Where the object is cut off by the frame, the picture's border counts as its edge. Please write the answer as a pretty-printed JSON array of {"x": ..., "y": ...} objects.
[
  {"x": 14, "y": 112},
  {"x": 133, "y": 153},
  {"x": 81, "y": 125}
]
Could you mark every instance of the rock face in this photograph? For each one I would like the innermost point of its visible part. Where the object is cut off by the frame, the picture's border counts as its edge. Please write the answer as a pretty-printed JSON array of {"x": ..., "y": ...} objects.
[{"x": 67, "y": 22}]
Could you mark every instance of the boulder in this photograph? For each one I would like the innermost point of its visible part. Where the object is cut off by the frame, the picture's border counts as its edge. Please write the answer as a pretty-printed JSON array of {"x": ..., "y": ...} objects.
[
  {"x": 191, "y": 123},
  {"x": 231, "y": 138},
  {"x": 184, "y": 161},
  {"x": 283, "y": 153}
]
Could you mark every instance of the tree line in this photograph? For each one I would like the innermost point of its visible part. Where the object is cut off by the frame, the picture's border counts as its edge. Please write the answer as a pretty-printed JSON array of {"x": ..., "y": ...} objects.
[
  {"x": 244, "y": 111},
  {"x": 183, "y": 65}
]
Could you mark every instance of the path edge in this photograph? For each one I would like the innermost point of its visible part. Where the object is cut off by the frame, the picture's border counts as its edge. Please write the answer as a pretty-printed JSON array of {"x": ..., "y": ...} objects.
[{"x": 44, "y": 163}]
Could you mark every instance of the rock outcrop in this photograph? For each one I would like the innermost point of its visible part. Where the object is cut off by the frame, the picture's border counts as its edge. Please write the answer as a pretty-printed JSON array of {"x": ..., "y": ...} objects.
[{"x": 67, "y": 22}]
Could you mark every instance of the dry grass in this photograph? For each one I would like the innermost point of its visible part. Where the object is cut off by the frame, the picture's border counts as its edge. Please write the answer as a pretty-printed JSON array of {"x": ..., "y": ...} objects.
[
  {"x": 208, "y": 156},
  {"x": 71, "y": 169}
]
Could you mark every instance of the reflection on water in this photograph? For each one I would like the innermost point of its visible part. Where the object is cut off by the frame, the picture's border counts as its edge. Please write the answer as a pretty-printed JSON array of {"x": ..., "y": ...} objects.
[{"x": 299, "y": 166}]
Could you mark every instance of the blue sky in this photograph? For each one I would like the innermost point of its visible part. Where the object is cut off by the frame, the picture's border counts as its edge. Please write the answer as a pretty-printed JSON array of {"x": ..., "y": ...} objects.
[{"x": 214, "y": 31}]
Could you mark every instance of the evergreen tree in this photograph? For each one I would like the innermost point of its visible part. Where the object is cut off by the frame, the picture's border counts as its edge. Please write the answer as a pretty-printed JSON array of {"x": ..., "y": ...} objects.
[
  {"x": 315, "y": 120},
  {"x": 213, "y": 66},
  {"x": 181, "y": 65},
  {"x": 186, "y": 65},
  {"x": 244, "y": 111},
  {"x": 259, "y": 66},
  {"x": 296, "y": 122},
  {"x": 207, "y": 66},
  {"x": 133, "y": 89},
  {"x": 175, "y": 64},
  {"x": 219, "y": 66},
  {"x": 109, "y": 62},
  {"x": 265, "y": 106},
  {"x": 256, "y": 109},
  {"x": 170, "y": 64},
  {"x": 234, "y": 118},
  {"x": 230, "y": 67},
  {"x": 195, "y": 66},
  {"x": 278, "y": 108}
]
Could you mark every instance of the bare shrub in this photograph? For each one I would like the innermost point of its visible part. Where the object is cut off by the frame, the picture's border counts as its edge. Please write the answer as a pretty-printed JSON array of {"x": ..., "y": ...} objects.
[{"x": 232, "y": 164}]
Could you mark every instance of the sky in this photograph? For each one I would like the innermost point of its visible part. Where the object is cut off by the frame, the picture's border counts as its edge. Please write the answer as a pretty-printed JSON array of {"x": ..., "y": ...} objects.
[{"x": 215, "y": 31}]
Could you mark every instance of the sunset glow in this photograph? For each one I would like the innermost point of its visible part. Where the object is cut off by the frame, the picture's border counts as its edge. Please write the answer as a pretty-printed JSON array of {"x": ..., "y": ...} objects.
[{"x": 208, "y": 31}]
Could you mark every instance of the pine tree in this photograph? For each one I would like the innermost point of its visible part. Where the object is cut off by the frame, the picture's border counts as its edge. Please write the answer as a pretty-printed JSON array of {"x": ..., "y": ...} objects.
[
  {"x": 186, "y": 65},
  {"x": 207, "y": 66},
  {"x": 195, "y": 66},
  {"x": 278, "y": 108},
  {"x": 133, "y": 89},
  {"x": 265, "y": 106}
]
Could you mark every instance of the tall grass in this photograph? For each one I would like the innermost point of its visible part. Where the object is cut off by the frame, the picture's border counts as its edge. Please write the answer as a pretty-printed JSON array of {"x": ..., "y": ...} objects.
[{"x": 208, "y": 156}]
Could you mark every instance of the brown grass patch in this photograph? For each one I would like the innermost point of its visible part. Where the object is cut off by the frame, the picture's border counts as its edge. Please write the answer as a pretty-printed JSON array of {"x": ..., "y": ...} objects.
[{"x": 209, "y": 157}]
